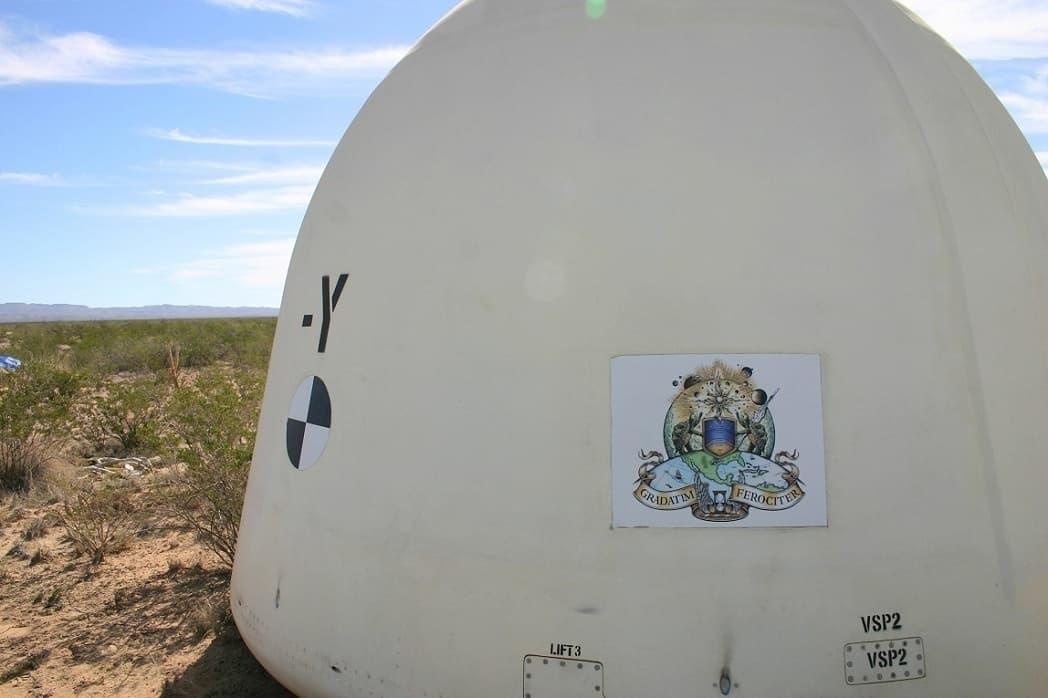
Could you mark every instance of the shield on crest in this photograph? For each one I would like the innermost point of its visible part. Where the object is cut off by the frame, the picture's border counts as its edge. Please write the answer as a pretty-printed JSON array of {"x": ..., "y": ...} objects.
[{"x": 718, "y": 436}]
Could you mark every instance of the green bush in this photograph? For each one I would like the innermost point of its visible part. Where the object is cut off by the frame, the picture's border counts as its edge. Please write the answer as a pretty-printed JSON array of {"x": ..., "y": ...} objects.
[
  {"x": 34, "y": 406},
  {"x": 127, "y": 413},
  {"x": 102, "y": 349},
  {"x": 189, "y": 389},
  {"x": 214, "y": 421}
]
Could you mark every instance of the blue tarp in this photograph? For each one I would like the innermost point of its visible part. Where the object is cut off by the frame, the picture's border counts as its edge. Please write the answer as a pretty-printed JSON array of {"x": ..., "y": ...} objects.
[{"x": 9, "y": 363}]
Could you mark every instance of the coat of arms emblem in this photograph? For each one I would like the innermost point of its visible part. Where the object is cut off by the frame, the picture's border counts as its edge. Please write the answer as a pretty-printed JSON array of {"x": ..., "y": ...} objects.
[{"x": 721, "y": 454}]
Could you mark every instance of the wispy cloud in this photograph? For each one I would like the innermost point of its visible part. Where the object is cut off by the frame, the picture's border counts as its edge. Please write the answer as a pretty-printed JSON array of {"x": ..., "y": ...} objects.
[
  {"x": 237, "y": 173},
  {"x": 295, "y": 8},
  {"x": 32, "y": 179},
  {"x": 180, "y": 137},
  {"x": 1027, "y": 100},
  {"x": 276, "y": 175},
  {"x": 197, "y": 165},
  {"x": 267, "y": 200},
  {"x": 254, "y": 264},
  {"x": 1030, "y": 111},
  {"x": 91, "y": 58},
  {"x": 989, "y": 29},
  {"x": 1008, "y": 40}
]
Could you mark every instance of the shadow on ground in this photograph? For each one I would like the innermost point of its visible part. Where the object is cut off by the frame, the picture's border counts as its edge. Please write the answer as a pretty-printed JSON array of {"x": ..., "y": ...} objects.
[{"x": 226, "y": 668}]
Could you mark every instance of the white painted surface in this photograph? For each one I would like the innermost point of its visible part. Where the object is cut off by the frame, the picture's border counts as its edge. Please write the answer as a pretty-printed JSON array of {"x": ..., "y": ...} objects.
[
  {"x": 532, "y": 192},
  {"x": 300, "y": 401}
]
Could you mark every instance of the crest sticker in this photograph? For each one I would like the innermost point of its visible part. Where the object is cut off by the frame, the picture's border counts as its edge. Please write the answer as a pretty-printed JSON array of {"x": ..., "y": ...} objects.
[{"x": 708, "y": 440}]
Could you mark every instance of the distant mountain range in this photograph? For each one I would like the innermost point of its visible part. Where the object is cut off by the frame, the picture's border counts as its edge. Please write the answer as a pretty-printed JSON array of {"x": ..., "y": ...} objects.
[{"x": 40, "y": 312}]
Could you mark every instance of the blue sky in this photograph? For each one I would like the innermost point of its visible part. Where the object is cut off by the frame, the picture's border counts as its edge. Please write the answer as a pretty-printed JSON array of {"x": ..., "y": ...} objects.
[{"x": 165, "y": 151}]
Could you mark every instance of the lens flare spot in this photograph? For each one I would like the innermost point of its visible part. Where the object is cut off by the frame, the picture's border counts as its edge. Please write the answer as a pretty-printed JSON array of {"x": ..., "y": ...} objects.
[
  {"x": 596, "y": 8},
  {"x": 545, "y": 281}
]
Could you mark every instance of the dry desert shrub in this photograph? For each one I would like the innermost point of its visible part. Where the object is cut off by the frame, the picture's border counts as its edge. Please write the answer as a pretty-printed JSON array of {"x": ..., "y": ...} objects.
[
  {"x": 99, "y": 521},
  {"x": 214, "y": 420},
  {"x": 34, "y": 404},
  {"x": 23, "y": 459},
  {"x": 207, "y": 499}
]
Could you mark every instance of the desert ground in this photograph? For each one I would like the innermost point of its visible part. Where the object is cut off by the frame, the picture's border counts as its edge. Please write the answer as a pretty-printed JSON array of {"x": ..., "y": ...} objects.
[
  {"x": 149, "y": 620},
  {"x": 114, "y": 575}
]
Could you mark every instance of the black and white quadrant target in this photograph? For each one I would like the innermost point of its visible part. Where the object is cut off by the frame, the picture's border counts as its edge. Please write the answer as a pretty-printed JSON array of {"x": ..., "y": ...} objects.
[{"x": 308, "y": 423}]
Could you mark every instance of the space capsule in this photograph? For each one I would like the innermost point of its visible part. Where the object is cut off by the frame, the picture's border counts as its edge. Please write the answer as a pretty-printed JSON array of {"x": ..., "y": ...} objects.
[{"x": 661, "y": 348}]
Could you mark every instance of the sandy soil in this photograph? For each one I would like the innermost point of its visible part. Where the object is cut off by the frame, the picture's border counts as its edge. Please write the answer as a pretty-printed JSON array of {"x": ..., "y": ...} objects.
[{"x": 151, "y": 620}]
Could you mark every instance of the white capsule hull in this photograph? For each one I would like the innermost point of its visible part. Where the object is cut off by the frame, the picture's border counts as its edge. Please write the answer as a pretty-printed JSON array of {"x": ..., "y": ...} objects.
[{"x": 536, "y": 190}]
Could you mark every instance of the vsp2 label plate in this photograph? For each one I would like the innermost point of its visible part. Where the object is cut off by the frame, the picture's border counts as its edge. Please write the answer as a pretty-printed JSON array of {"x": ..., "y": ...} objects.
[{"x": 884, "y": 661}]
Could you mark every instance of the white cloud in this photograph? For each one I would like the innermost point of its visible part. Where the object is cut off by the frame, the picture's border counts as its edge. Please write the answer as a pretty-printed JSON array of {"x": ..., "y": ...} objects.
[
  {"x": 195, "y": 165},
  {"x": 32, "y": 179},
  {"x": 1030, "y": 112},
  {"x": 276, "y": 175},
  {"x": 90, "y": 58},
  {"x": 260, "y": 265},
  {"x": 995, "y": 32},
  {"x": 295, "y": 8},
  {"x": 180, "y": 137},
  {"x": 267, "y": 200},
  {"x": 257, "y": 189},
  {"x": 989, "y": 29},
  {"x": 1028, "y": 101}
]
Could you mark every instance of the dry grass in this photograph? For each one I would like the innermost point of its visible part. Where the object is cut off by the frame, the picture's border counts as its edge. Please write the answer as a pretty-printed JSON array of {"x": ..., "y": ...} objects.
[
  {"x": 23, "y": 460},
  {"x": 36, "y": 528},
  {"x": 209, "y": 617},
  {"x": 38, "y": 555}
]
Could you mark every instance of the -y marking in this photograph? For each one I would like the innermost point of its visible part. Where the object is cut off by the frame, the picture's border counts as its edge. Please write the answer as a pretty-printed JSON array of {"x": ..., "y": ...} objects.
[{"x": 330, "y": 300}]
